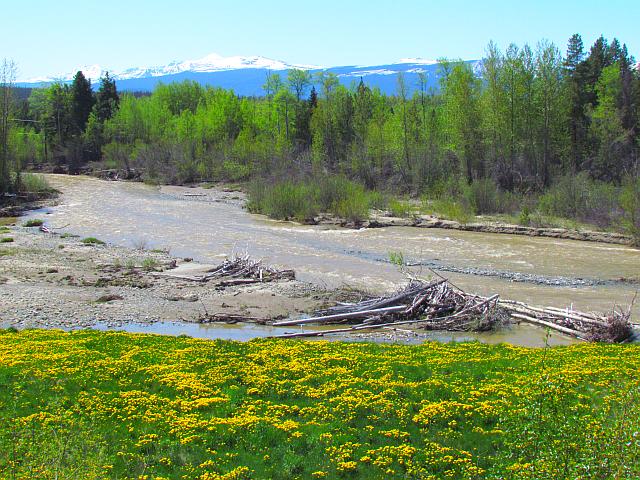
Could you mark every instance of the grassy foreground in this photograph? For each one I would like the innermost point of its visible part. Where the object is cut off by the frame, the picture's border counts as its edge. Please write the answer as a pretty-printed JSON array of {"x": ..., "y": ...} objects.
[{"x": 113, "y": 405}]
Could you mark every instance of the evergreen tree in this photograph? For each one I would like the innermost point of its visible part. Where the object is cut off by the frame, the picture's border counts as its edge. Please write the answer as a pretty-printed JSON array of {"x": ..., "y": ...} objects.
[
  {"x": 313, "y": 98},
  {"x": 82, "y": 101},
  {"x": 107, "y": 99},
  {"x": 576, "y": 80}
]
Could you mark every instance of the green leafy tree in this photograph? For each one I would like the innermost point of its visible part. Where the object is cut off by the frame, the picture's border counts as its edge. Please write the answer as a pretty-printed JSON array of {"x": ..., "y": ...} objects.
[
  {"x": 299, "y": 81},
  {"x": 7, "y": 78}
]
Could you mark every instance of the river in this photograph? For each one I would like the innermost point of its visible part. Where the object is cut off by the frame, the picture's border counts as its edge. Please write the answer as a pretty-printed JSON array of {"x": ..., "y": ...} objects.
[{"x": 546, "y": 271}]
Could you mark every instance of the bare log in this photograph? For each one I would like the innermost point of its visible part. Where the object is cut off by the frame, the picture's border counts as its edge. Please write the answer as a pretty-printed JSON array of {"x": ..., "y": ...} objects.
[
  {"x": 341, "y": 316},
  {"x": 553, "y": 326}
]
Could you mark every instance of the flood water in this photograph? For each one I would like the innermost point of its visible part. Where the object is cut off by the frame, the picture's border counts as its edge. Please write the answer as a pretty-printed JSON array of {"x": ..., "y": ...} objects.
[{"x": 131, "y": 213}]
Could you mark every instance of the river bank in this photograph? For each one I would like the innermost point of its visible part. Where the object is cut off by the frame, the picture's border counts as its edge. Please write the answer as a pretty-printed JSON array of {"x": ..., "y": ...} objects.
[
  {"x": 50, "y": 280},
  {"x": 382, "y": 219},
  {"x": 53, "y": 280}
]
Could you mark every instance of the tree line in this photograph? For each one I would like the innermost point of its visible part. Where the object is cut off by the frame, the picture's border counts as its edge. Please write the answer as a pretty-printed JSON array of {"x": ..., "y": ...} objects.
[{"x": 521, "y": 119}]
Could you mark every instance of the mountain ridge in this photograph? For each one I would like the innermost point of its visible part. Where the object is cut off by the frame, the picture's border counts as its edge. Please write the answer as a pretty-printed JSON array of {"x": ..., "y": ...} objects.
[{"x": 246, "y": 74}]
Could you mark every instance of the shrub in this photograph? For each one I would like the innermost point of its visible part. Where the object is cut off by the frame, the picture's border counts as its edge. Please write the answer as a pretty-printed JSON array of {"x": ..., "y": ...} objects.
[
  {"x": 34, "y": 222},
  {"x": 150, "y": 264},
  {"x": 234, "y": 171},
  {"x": 354, "y": 208},
  {"x": 303, "y": 200},
  {"x": 525, "y": 217},
  {"x": 578, "y": 197},
  {"x": 399, "y": 208},
  {"x": 629, "y": 201},
  {"x": 449, "y": 209},
  {"x": 34, "y": 184},
  {"x": 92, "y": 241},
  {"x": 6, "y": 240},
  {"x": 482, "y": 196}
]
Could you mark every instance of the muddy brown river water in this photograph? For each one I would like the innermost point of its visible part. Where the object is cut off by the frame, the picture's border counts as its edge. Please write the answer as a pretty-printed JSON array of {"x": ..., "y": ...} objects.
[{"x": 548, "y": 271}]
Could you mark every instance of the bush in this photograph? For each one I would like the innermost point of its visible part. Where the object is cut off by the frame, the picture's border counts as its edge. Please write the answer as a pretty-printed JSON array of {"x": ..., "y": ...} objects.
[
  {"x": 234, "y": 171},
  {"x": 449, "y": 209},
  {"x": 6, "y": 240},
  {"x": 629, "y": 202},
  {"x": 303, "y": 200},
  {"x": 150, "y": 264},
  {"x": 34, "y": 222},
  {"x": 578, "y": 197},
  {"x": 399, "y": 208},
  {"x": 34, "y": 184},
  {"x": 92, "y": 241}
]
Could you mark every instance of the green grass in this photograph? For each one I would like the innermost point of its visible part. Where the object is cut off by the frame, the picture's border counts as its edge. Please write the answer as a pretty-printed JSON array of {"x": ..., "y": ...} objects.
[
  {"x": 6, "y": 252},
  {"x": 6, "y": 240},
  {"x": 91, "y": 405},
  {"x": 6, "y": 221},
  {"x": 34, "y": 222},
  {"x": 92, "y": 241}
]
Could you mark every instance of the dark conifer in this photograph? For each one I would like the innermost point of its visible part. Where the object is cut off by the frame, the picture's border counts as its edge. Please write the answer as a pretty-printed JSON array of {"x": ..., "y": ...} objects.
[
  {"x": 107, "y": 99},
  {"x": 82, "y": 101}
]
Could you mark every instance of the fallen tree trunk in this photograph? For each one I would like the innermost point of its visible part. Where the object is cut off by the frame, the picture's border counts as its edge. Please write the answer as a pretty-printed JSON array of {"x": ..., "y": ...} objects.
[
  {"x": 553, "y": 326},
  {"x": 341, "y": 316}
]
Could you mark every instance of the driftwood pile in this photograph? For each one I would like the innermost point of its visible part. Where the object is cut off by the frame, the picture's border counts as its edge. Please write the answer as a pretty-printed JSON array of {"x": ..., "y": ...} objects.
[
  {"x": 433, "y": 306},
  {"x": 439, "y": 305},
  {"x": 242, "y": 269},
  {"x": 613, "y": 327}
]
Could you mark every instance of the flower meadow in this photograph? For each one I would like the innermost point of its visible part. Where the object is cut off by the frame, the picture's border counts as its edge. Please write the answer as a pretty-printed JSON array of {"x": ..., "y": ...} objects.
[{"x": 89, "y": 404}]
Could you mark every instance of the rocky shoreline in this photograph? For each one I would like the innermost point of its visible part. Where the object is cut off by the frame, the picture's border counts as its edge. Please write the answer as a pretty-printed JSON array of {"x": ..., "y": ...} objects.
[{"x": 49, "y": 280}]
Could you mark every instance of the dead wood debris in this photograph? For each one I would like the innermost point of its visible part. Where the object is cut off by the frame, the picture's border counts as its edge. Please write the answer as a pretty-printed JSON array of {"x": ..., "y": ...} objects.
[
  {"x": 242, "y": 269},
  {"x": 439, "y": 305}
]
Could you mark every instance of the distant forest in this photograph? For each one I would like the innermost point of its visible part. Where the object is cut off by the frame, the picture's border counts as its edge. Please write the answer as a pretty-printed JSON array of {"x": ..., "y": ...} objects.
[{"x": 527, "y": 118}]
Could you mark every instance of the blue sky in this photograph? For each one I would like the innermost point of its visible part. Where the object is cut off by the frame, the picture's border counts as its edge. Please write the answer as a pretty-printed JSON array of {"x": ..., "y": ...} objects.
[{"x": 48, "y": 37}]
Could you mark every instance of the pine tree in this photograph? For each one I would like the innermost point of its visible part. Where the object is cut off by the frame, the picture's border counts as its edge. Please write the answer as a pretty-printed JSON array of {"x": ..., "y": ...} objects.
[
  {"x": 576, "y": 73},
  {"x": 313, "y": 98},
  {"x": 107, "y": 99},
  {"x": 82, "y": 101}
]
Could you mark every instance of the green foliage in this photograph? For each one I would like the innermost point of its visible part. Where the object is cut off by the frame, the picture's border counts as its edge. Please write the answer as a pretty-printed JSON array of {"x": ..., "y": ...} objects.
[
  {"x": 525, "y": 216},
  {"x": 303, "y": 200},
  {"x": 34, "y": 183},
  {"x": 630, "y": 205},
  {"x": 92, "y": 241},
  {"x": 579, "y": 197},
  {"x": 82, "y": 101},
  {"x": 107, "y": 98},
  {"x": 479, "y": 144},
  {"x": 150, "y": 264},
  {"x": 400, "y": 208},
  {"x": 6, "y": 239},
  {"x": 397, "y": 258},
  {"x": 34, "y": 222},
  {"x": 448, "y": 209}
]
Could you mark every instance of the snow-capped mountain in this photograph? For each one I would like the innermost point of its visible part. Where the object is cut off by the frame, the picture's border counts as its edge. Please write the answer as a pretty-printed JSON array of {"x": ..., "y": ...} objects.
[
  {"x": 210, "y": 63},
  {"x": 246, "y": 74}
]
